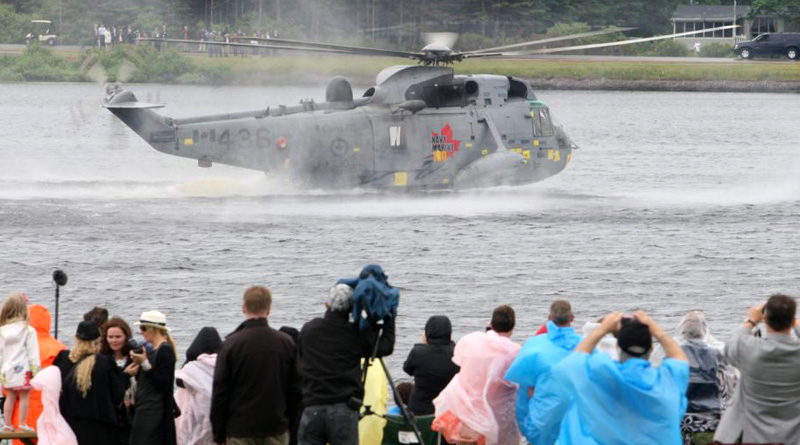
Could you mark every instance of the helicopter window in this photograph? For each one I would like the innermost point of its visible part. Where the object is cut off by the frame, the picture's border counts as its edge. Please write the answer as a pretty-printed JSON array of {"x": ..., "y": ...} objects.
[
  {"x": 471, "y": 88},
  {"x": 536, "y": 123},
  {"x": 487, "y": 101},
  {"x": 517, "y": 88},
  {"x": 547, "y": 124},
  {"x": 444, "y": 96}
]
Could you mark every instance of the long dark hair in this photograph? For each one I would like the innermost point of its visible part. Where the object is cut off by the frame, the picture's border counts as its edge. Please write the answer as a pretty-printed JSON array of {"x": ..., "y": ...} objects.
[{"x": 116, "y": 322}]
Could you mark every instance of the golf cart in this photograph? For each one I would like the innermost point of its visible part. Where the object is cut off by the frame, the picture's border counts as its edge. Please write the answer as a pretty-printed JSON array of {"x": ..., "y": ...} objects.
[{"x": 41, "y": 31}]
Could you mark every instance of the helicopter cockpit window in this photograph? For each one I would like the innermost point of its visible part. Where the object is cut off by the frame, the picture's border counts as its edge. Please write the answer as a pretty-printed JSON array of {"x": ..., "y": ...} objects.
[
  {"x": 542, "y": 124},
  {"x": 517, "y": 88},
  {"x": 547, "y": 123}
]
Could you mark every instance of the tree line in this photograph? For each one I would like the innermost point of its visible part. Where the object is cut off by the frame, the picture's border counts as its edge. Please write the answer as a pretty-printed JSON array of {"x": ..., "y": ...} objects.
[{"x": 389, "y": 23}]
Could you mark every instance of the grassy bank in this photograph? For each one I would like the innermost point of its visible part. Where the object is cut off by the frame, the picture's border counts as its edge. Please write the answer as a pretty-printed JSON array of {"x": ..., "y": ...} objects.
[
  {"x": 144, "y": 64},
  {"x": 290, "y": 69}
]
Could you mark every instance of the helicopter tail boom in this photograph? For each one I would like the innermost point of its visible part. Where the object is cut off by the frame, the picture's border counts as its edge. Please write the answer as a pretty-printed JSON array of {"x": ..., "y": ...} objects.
[{"x": 157, "y": 130}]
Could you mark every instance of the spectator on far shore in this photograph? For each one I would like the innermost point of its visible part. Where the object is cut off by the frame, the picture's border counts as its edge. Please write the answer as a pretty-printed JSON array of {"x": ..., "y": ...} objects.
[
  {"x": 603, "y": 401},
  {"x": 431, "y": 365},
  {"x": 531, "y": 369},
  {"x": 768, "y": 408},
  {"x": 255, "y": 396}
]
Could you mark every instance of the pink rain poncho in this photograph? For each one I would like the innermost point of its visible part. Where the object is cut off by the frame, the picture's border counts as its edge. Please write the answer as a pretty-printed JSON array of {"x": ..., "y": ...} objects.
[
  {"x": 478, "y": 404},
  {"x": 51, "y": 427},
  {"x": 193, "y": 426}
]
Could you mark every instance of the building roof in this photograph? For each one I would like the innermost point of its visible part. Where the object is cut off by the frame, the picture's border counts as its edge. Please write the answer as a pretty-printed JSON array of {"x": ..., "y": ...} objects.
[{"x": 708, "y": 13}]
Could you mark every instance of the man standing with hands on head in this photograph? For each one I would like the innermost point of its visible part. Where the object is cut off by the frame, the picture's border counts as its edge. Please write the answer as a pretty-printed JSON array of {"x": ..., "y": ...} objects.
[
  {"x": 604, "y": 401},
  {"x": 256, "y": 395},
  {"x": 768, "y": 406}
]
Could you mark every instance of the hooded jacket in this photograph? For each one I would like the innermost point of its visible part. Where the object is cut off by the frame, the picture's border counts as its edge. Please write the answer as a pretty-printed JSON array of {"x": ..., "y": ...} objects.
[
  {"x": 49, "y": 348},
  {"x": 193, "y": 426},
  {"x": 19, "y": 353},
  {"x": 531, "y": 369},
  {"x": 431, "y": 365},
  {"x": 51, "y": 426}
]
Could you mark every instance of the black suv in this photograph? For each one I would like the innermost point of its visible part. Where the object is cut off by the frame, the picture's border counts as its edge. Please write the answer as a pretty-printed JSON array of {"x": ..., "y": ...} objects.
[{"x": 787, "y": 43}]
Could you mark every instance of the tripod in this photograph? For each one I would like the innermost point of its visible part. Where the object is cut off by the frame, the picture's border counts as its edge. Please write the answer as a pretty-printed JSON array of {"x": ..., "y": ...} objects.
[{"x": 408, "y": 416}]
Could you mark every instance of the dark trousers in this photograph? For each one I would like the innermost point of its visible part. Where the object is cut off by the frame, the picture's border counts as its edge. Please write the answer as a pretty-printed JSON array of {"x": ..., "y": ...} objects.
[{"x": 332, "y": 424}]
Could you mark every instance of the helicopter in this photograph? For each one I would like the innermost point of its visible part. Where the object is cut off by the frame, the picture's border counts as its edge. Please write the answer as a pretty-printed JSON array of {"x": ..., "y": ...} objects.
[{"x": 419, "y": 127}]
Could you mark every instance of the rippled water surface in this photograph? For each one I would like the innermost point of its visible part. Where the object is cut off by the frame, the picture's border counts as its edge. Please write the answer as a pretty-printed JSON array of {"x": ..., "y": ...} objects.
[{"x": 675, "y": 201}]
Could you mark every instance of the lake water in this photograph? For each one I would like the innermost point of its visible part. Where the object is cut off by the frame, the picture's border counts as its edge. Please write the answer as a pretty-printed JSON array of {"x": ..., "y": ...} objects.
[{"x": 675, "y": 201}]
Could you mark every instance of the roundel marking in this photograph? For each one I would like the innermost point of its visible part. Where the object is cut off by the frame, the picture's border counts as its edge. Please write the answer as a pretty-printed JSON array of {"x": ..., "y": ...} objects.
[{"x": 339, "y": 147}]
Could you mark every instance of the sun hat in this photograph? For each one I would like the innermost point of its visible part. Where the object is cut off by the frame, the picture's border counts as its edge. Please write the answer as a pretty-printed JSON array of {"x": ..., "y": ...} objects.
[
  {"x": 634, "y": 338},
  {"x": 154, "y": 319},
  {"x": 87, "y": 331}
]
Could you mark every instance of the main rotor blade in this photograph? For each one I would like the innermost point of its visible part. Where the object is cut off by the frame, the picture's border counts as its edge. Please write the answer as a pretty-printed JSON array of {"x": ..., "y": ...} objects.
[
  {"x": 352, "y": 49},
  {"x": 553, "y": 39},
  {"x": 265, "y": 47},
  {"x": 620, "y": 43}
]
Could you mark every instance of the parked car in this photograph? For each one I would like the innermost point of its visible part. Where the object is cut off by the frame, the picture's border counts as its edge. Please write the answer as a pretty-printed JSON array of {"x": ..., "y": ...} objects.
[
  {"x": 787, "y": 43},
  {"x": 41, "y": 32}
]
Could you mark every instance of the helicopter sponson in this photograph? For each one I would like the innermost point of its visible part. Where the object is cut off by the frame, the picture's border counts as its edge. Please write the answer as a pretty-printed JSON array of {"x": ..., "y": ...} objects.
[{"x": 419, "y": 127}]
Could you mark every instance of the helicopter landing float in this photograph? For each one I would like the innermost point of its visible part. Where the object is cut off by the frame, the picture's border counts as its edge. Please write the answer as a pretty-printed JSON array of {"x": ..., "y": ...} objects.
[{"x": 418, "y": 127}]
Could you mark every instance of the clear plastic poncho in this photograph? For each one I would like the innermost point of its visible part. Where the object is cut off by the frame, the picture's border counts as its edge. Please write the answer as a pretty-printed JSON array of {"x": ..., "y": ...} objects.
[{"x": 478, "y": 404}]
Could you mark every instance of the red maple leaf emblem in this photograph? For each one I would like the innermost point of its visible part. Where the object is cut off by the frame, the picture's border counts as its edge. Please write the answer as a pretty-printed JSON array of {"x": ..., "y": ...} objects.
[{"x": 444, "y": 143}]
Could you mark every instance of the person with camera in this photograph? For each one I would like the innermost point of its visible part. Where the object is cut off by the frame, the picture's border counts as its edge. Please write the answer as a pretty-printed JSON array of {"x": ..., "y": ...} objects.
[
  {"x": 627, "y": 401},
  {"x": 116, "y": 335},
  {"x": 330, "y": 351},
  {"x": 92, "y": 386},
  {"x": 153, "y": 422},
  {"x": 255, "y": 396},
  {"x": 768, "y": 405}
]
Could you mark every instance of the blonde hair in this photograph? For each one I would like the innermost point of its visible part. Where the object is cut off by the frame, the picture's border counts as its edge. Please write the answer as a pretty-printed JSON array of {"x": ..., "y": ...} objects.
[
  {"x": 169, "y": 338},
  {"x": 83, "y": 372},
  {"x": 15, "y": 308}
]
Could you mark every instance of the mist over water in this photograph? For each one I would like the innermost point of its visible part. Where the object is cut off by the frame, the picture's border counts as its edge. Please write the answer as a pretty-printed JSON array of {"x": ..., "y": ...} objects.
[{"x": 675, "y": 201}]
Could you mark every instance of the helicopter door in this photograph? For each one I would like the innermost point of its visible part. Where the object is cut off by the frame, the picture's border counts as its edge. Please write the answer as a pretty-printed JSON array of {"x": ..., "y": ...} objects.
[{"x": 396, "y": 147}]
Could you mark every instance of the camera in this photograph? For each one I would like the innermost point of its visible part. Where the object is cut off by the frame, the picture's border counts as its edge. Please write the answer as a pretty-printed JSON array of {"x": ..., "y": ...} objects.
[
  {"x": 627, "y": 318},
  {"x": 135, "y": 345}
]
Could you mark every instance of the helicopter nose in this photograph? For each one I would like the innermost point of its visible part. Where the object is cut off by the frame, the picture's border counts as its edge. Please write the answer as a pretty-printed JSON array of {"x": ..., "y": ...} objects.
[{"x": 564, "y": 141}]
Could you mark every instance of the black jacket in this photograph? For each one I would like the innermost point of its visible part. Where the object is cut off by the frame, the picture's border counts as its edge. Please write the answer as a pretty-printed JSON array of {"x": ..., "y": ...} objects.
[
  {"x": 108, "y": 389},
  {"x": 330, "y": 351},
  {"x": 431, "y": 365},
  {"x": 256, "y": 393}
]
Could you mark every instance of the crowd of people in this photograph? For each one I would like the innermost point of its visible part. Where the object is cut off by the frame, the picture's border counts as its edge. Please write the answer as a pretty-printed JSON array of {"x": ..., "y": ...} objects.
[
  {"x": 208, "y": 39},
  {"x": 625, "y": 380}
]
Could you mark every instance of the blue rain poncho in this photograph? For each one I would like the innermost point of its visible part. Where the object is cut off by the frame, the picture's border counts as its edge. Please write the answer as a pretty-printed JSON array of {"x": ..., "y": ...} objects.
[
  {"x": 619, "y": 403},
  {"x": 531, "y": 368},
  {"x": 373, "y": 298}
]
